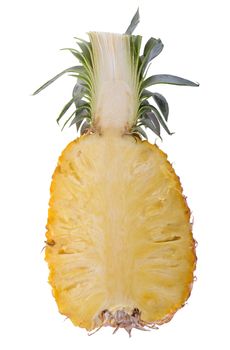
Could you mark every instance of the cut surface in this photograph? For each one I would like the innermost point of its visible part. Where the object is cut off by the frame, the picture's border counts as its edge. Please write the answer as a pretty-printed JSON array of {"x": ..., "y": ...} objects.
[
  {"x": 118, "y": 233},
  {"x": 115, "y": 98}
]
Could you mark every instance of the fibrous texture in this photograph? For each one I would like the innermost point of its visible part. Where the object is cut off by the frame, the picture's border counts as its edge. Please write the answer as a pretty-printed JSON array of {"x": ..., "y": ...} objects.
[
  {"x": 111, "y": 87},
  {"x": 118, "y": 234}
]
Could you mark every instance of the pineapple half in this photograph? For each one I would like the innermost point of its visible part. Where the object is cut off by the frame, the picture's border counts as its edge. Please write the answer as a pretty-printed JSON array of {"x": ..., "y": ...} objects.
[{"x": 119, "y": 238}]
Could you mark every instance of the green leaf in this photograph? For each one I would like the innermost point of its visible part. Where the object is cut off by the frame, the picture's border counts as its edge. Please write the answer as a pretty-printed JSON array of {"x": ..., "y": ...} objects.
[
  {"x": 80, "y": 111},
  {"x": 79, "y": 123},
  {"x": 87, "y": 91},
  {"x": 160, "y": 101},
  {"x": 140, "y": 131},
  {"x": 134, "y": 22},
  {"x": 65, "y": 109},
  {"x": 80, "y": 39},
  {"x": 144, "y": 103},
  {"x": 78, "y": 92},
  {"x": 145, "y": 94},
  {"x": 67, "y": 120},
  {"x": 144, "y": 109},
  {"x": 84, "y": 105},
  {"x": 86, "y": 48},
  {"x": 161, "y": 120},
  {"x": 87, "y": 71},
  {"x": 149, "y": 45},
  {"x": 84, "y": 127},
  {"x": 147, "y": 122},
  {"x": 167, "y": 79},
  {"x": 81, "y": 82},
  {"x": 76, "y": 53},
  {"x": 84, "y": 81},
  {"x": 79, "y": 116},
  {"x": 80, "y": 104},
  {"x": 154, "y": 120},
  {"x": 75, "y": 69},
  {"x": 153, "y": 48},
  {"x": 135, "y": 45},
  {"x": 162, "y": 104}
]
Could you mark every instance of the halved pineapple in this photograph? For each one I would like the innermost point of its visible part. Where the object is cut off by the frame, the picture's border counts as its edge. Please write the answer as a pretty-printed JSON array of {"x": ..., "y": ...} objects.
[
  {"x": 119, "y": 230},
  {"x": 119, "y": 243}
]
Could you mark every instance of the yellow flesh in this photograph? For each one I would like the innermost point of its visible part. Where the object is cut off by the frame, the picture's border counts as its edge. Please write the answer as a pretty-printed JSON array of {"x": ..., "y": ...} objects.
[{"x": 121, "y": 229}]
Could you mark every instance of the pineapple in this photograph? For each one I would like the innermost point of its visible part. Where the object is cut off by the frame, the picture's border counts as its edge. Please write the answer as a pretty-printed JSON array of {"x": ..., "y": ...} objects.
[{"x": 119, "y": 242}]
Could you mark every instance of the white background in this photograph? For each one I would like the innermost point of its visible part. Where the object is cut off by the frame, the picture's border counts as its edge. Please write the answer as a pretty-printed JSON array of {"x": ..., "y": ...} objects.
[{"x": 196, "y": 38}]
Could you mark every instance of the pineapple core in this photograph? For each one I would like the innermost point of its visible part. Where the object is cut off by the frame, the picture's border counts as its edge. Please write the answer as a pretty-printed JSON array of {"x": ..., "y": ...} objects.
[
  {"x": 118, "y": 233},
  {"x": 115, "y": 98}
]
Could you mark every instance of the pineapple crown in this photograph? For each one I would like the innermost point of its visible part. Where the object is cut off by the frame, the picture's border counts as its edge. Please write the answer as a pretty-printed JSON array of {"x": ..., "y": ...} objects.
[{"x": 151, "y": 116}]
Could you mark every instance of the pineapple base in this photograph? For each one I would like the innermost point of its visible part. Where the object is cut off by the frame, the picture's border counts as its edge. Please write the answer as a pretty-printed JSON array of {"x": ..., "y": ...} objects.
[
  {"x": 126, "y": 320},
  {"x": 119, "y": 238}
]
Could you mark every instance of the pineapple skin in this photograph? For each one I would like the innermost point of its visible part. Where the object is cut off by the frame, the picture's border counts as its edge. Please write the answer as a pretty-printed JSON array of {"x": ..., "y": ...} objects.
[{"x": 119, "y": 235}]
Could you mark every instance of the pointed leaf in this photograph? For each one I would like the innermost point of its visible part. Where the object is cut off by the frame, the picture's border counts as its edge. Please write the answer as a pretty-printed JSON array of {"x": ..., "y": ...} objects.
[
  {"x": 144, "y": 109},
  {"x": 134, "y": 22},
  {"x": 67, "y": 120},
  {"x": 84, "y": 82},
  {"x": 75, "y": 69},
  {"x": 154, "y": 120},
  {"x": 148, "y": 123},
  {"x": 140, "y": 131},
  {"x": 81, "y": 58},
  {"x": 78, "y": 90},
  {"x": 156, "y": 50},
  {"x": 76, "y": 53},
  {"x": 161, "y": 120},
  {"x": 137, "y": 43},
  {"x": 152, "y": 49},
  {"x": 87, "y": 90},
  {"x": 144, "y": 103},
  {"x": 86, "y": 48},
  {"x": 78, "y": 93},
  {"x": 79, "y": 116},
  {"x": 81, "y": 82},
  {"x": 84, "y": 127},
  {"x": 82, "y": 103},
  {"x": 167, "y": 79},
  {"x": 79, "y": 123},
  {"x": 135, "y": 46},
  {"x": 160, "y": 101},
  {"x": 65, "y": 109},
  {"x": 149, "y": 45},
  {"x": 162, "y": 104},
  {"x": 146, "y": 94},
  {"x": 80, "y": 39}
]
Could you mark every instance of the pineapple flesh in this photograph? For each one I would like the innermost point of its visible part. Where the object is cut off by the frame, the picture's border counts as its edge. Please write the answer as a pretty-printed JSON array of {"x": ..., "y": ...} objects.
[
  {"x": 119, "y": 232},
  {"x": 119, "y": 238}
]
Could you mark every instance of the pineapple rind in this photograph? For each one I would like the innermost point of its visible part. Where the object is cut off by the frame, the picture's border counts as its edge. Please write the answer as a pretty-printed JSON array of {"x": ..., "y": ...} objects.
[{"x": 122, "y": 232}]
